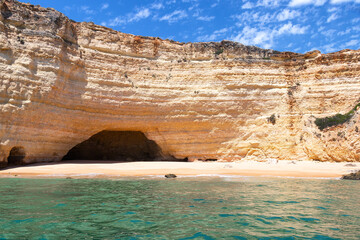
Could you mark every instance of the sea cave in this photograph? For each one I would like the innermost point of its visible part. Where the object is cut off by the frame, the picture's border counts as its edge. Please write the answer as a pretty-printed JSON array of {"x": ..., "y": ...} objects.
[{"x": 124, "y": 146}]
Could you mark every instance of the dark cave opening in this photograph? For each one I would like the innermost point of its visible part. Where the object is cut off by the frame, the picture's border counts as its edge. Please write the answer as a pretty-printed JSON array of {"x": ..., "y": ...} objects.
[
  {"x": 16, "y": 156},
  {"x": 124, "y": 146}
]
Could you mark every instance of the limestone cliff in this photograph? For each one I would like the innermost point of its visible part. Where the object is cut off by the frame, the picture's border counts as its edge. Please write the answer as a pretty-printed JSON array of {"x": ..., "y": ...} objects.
[{"x": 62, "y": 82}]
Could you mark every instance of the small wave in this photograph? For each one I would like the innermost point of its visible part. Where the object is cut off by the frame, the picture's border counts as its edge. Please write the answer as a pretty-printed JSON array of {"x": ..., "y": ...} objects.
[
  {"x": 54, "y": 175},
  {"x": 74, "y": 175},
  {"x": 224, "y": 176},
  {"x": 86, "y": 174},
  {"x": 151, "y": 176},
  {"x": 234, "y": 177},
  {"x": 325, "y": 178}
]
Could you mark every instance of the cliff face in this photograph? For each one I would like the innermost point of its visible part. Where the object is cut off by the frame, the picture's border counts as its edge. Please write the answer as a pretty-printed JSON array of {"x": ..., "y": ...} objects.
[{"x": 62, "y": 82}]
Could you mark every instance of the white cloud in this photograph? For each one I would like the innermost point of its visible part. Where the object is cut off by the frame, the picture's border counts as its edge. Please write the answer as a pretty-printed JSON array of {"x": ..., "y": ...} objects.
[
  {"x": 254, "y": 36},
  {"x": 174, "y": 16},
  {"x": 268, "y": 3},
  {"x": 194, "y": 6},
  {"x": 332, "y": 17},
  {"x": 115, "y": 22},
  {"x": 215, "y": 4},
  {"x": 328, "y": 48},
  {"x": 130, "y": 17},
  {"x": 87, "y": 10},
  {"x": 333, "y": 9},
  {"x": 104, "y": 6},
  {"x": 263, "y": 18},
  {"x": 351, "y": 43},
  {"x": 265, "y": 37},
  {"x": 254, "y": 17},
  {"x": 205, "y": 18},
  {"x": 343, "y": 1},
  {"x": 260, "y": 37},
  {"x": 247, "y": 5},
  {"x": 297, "y": 3},
  {"x": 261, "y": 3},
  {"x": 157, "y": 6},
  {"x": 214, "y": 36},
  {"x": 292, "y": 29},
  {"x": 328, "y": 33},
  {"x": 342, "y": 33},
  {"x": 287, "y": 14},
  {"x": 141, "y": 14}
]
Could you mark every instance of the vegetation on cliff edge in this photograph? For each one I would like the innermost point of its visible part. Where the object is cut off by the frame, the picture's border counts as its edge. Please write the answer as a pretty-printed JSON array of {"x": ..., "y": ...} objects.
[{"x": 337, "y": 119}]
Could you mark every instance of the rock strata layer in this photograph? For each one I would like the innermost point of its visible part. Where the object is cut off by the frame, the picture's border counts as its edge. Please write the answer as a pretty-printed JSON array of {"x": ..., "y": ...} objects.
[{"x": 62, "y": 81}]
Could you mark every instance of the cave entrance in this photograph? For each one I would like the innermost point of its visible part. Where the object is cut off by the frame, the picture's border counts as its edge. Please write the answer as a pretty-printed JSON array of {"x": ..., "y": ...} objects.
[
  {"x": 16, "y": 156},
  {"x": 118, "y": 146}
]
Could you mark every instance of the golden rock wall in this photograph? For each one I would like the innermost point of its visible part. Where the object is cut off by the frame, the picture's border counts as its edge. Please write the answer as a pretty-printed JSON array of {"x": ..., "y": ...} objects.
[{"x": 62, "y": 82}]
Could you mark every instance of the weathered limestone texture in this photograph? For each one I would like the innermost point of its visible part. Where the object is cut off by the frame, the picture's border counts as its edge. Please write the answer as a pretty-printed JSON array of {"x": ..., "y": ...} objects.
[{"x": 62, "y": 82}]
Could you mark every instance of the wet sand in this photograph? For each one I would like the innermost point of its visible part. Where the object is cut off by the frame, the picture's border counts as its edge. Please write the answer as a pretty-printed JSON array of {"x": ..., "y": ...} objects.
[{"x": 97, "y": 169}]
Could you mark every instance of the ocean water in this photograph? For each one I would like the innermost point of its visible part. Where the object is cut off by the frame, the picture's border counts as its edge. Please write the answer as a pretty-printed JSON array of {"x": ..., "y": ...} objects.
[{"x": 182, "y": 208}]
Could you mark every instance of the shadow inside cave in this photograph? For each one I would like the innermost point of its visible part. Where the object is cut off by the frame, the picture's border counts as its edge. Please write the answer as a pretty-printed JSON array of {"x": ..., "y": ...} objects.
[
  {"x": 119, "y": 146},
  {"x": 16, "y": 156}
]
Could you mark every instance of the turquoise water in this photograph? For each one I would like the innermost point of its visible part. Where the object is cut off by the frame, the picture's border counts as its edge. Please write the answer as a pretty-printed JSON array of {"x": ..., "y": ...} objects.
[{"x": 183, "y": 208}]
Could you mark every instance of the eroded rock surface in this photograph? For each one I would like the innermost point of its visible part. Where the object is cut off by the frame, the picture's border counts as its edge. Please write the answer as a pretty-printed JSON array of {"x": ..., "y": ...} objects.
[
  {"x": 62, "y": 82},
  {"x": 352, "y": 176}
]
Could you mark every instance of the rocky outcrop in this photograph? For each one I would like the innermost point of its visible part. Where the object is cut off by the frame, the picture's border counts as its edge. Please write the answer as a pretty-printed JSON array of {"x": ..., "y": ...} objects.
[
  {"x": 352, "y": 176},
  {"x": 170, "y": 175},
  {"x": 62, "y": 82}
]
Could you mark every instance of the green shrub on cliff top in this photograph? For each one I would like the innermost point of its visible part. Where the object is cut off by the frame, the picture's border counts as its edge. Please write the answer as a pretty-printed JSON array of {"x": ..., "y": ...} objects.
[
  {"x": 219, "y": 51},
  {"x": 337, "y": 119}
]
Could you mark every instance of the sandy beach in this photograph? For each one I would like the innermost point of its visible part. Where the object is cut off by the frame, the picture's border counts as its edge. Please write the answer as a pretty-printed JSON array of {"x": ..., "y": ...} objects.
[{"x": 92, "y": 169}]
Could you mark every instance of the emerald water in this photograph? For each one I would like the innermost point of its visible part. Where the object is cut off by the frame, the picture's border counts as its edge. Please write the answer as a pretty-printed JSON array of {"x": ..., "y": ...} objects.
[{"x": 183, "y": 208}]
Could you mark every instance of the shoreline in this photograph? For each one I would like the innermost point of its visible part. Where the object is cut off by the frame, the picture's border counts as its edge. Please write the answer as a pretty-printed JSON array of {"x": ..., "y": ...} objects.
[{"x": 113, "y": 170}]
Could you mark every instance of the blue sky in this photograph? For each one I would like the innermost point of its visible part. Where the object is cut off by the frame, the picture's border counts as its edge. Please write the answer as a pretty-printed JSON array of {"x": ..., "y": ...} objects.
[{"x": 284, "y": 25}]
